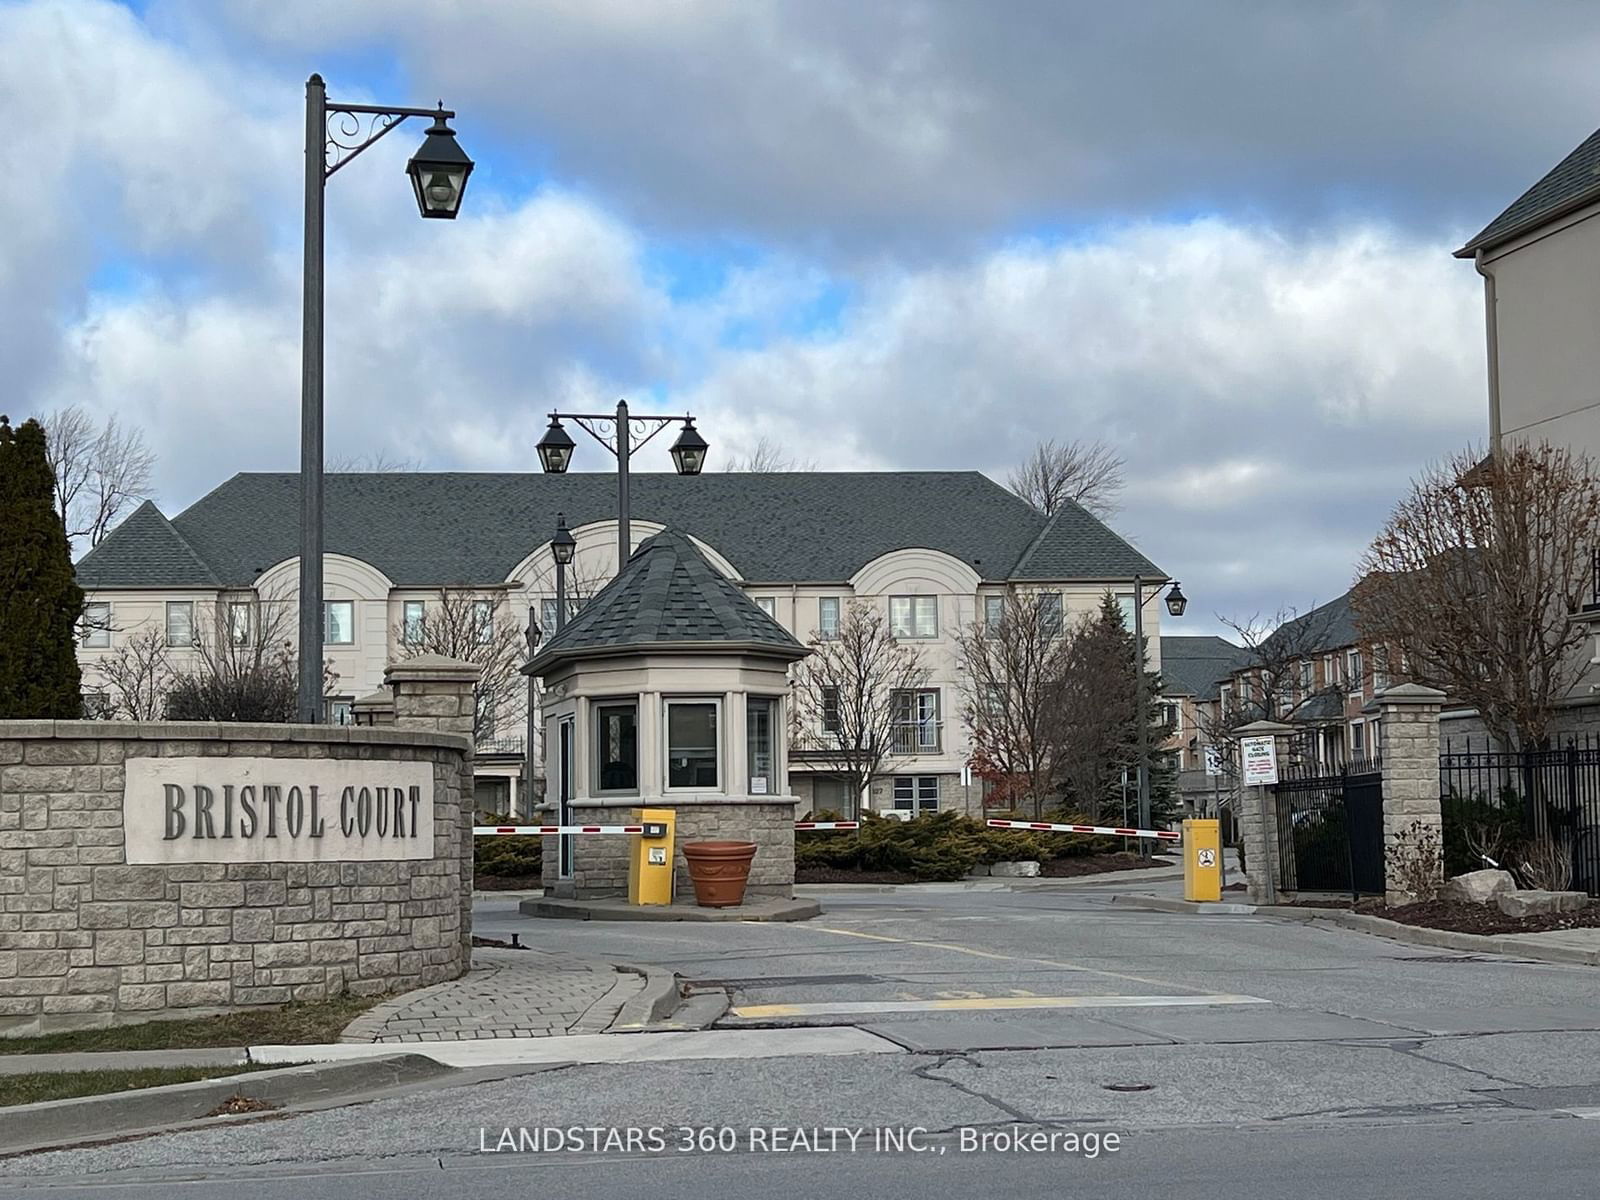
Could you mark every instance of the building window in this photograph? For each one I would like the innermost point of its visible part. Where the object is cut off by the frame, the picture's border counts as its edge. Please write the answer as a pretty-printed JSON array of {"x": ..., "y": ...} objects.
[
  {"x": 1380, "y": 668},
  {"x": 483, "y": 722},
  {"x": 180, "y": 622},
  {"x": 1125, "y": 603},
  {"x": 832, "y": 795},
  {"x": 768, "y": 605},
  {"x": 1352, "y": 662},
  {"x": 692, "y": 744},
  {"x": 916, "y": 722},
  {"x": 1358, "y": 734},
  {"x": 1172, "y": 716},
  {"x": 994, "y": 613},
  {"x": 828, "y": 617},
  {"x": 96, "y": 706},
  {"x": 239, "y": 622},
  {"x": 1330, "y": 670},
  {"x": 759, "y": 745},
  {"x": 616, "y": 739},
  {"x": 914, "y": 616},
  {"x": 339, "y": 710},
  {"x": 916, "y": 793},
  {"x": 1050, "y": 614},
  {"x": 483, "y": 621},
  {"x": 1308, "y": 676},
  {"x": 339, "y": 622},
  {"x": 992, "y": 700},
  {"x": 547, "y": 614},
  {"x": 413, "y": 619},
  {"x": 830, "y": 710},
  {"x": 96, "y": 625}
]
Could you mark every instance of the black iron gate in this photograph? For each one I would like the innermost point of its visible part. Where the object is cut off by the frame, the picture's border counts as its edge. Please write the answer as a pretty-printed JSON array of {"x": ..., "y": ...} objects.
[{"x": 1330, "y": 830}]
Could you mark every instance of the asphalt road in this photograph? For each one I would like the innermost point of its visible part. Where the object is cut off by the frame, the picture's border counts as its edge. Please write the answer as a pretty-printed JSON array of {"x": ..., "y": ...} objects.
[{"x": 1232, "y": 1055}]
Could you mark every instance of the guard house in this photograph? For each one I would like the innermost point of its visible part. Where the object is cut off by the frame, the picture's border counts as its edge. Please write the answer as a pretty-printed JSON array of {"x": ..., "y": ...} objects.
[{"x": 668, "y": 689}]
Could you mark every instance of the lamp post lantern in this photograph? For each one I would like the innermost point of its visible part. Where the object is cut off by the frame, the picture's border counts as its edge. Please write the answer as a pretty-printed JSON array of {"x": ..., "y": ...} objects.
[
  {"x": 335, "y": 134},
  {"x": 1176, "y": 603},
  {"x": 617, "y": 432}
]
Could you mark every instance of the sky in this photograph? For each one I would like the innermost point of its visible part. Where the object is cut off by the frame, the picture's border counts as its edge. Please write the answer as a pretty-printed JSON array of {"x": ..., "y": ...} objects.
[{"x": 898, "y": 235}]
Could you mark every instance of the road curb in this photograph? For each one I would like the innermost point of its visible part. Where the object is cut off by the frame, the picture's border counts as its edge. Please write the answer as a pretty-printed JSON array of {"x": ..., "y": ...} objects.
[
  {"x": 1511, "y": 944},
  {"x": 26, "y": 1128},
  {"x": 659, "y": 999}
]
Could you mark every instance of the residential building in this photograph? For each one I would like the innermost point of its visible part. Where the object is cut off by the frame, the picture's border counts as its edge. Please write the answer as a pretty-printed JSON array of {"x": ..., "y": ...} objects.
[
  {"x": 1193, "y": 672},
  {"x": 927, "y": 550}
]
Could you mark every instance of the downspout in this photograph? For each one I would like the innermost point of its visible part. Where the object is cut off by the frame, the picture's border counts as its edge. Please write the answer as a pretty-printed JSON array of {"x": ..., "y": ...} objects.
[{"x": 1492, "y": 332}]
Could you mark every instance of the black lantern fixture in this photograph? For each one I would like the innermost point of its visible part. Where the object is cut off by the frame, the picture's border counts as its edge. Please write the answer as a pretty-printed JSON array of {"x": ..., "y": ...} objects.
[
  {"x": 563, "y": 545},
  {"x": 555, "y": 448},
  {"x": 1176, "y": 600},
  {"x": 439, "y": 171},
  {"x": 689, "y": 451}
]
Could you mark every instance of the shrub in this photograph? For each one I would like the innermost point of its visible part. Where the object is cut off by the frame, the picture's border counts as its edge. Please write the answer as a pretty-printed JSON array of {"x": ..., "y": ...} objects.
[
  {"x": 1415, "y": 861},
  {"x": 1476, "y": 826},
  {"x": 935, "y": 846},
  {"x": 508, "y": 857}
]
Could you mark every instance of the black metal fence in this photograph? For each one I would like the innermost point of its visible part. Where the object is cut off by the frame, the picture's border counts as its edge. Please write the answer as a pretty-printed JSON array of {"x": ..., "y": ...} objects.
[
  {"x": 1548, "y": 795},
  {"x": 1330, "y": 829}
]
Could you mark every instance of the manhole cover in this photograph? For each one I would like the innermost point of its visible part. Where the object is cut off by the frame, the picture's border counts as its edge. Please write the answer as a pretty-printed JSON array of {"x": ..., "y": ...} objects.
[{"x": 1127, "y": 1087}]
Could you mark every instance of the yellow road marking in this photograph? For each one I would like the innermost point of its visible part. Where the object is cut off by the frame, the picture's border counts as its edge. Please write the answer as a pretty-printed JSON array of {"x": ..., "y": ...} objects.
[{"x": 1046, "y": 962}]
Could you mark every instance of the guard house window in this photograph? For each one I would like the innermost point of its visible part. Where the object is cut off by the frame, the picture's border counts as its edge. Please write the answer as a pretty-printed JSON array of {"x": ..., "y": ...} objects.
[
  {"x": 692, "y": 744},
  {"x": 180, "y": 622},
  {"x": 916, "y": 793},
  {"x": 759, "y": 743},
  {"x": 96, "y": 625},
  {"x": 767, "y": 605},
  {"x": 1050, "y": 614},
  {"x": 994, "y": 612},
  {"x": 830, "y": 710},
  {"x": 239, "y": 622},
  {"x": 483, "y": 621},
  {"x": 828, "y": 617},
  {"x": 616, "y": 739},
  {"x": 339, "y": 622},
  {"x": 414, "y": 616},
  {"x": 914, "y": 616}
]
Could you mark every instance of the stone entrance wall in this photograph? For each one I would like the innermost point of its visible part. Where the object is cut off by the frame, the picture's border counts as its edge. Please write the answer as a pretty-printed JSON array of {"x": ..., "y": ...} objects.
[{"x": 88, "y": 939}]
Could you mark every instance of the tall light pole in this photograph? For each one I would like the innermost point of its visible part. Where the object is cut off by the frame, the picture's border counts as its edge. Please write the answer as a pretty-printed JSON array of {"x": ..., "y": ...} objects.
[
  {"x": 616, "y": 433},
  {"x": 1176, "y": 603},
  {"x": 335, "y": 134}
]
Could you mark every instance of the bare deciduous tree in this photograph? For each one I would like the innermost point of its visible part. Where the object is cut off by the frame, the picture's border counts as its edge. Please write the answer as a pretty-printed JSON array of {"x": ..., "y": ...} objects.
[
  {"x": 770, "y": 457},
  {"x": 1089, "y": 473},
  {"x": 242, "y": 664},
  {"x": 101, "y": 471},
  {"x": 1014, "y": 674},
  {"x": 136, "y": 675},
  {"x": 378, "y": 462},
  {"x": 844, "y": 695},
  {"x": 1476, "y": 575},
  {"x": 481, "y": 629}
]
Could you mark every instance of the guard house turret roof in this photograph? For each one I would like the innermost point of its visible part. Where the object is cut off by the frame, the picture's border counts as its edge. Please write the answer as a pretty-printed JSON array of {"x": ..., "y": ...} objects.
[{"x": 667, "y": 597}]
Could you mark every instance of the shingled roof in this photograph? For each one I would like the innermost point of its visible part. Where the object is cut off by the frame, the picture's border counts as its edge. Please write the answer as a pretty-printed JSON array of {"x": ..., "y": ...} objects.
[
  {"x": 1195, "y": 666},
  {"x": 424, "y": 529},
  {"x": 667, "y": 595},
  {"x": 1571, "y": 184}
]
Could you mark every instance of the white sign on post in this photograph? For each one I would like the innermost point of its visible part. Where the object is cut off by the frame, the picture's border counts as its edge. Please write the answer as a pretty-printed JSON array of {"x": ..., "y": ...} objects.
[
  {"x": 1260, "y": 755},
  {"x": 1213, "y": 760}
]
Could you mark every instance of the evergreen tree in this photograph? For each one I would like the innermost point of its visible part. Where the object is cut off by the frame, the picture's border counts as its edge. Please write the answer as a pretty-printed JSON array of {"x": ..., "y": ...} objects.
[{"x": 40, "y": 600}]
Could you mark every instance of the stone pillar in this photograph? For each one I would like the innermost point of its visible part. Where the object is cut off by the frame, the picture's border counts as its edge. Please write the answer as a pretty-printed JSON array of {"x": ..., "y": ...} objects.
[
  {"x": 1258, "y": 818},
  {"x": 376, "y": 709},
  {"x": 431, "y": 692},
  {"x": 1408, "y": 734}
]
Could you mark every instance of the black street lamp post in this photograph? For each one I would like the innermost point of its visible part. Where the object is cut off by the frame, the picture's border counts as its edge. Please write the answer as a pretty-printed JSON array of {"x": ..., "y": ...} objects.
[
  {"x": 616, "y": 432},
  {"x": 1176, "y": 603},
  {"x": 335, "y": 134}
]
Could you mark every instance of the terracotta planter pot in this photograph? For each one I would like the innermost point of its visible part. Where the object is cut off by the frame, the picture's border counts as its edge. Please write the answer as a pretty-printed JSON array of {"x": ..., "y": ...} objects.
[{"x": 719, "y": 871}]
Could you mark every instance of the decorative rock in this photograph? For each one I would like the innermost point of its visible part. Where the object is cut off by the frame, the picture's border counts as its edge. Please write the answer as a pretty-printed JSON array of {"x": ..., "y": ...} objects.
[
  {"x": 1537, "y": 903},
  {"x": 1015, "y": 870},
  {"x": 1479, "y": 887}
]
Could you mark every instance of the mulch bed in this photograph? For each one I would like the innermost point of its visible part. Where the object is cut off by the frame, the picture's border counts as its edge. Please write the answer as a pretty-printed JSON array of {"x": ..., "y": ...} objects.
[
  {"x": 1056, "y": 868},
  {"x": 1463, "y": 917}
]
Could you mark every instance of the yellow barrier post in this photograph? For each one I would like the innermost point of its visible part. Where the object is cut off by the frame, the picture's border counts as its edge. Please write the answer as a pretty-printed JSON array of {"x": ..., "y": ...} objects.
[
  {"x": 650, "y": 857},
  {"x": 1202, "y": 860}
]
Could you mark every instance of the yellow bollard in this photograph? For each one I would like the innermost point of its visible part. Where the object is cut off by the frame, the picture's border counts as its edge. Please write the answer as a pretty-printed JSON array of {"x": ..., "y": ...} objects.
[
  {"x": 1202, "y": 860},
  {"x": 650, "y": 857}
]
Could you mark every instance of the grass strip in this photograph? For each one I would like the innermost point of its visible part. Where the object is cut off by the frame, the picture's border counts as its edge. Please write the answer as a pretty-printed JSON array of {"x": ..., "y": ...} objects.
[{"x": 69, "y": 1085}]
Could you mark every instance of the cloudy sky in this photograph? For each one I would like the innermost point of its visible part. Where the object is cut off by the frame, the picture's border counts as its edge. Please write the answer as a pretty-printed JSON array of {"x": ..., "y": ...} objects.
[{"x": 887, "y": 235}]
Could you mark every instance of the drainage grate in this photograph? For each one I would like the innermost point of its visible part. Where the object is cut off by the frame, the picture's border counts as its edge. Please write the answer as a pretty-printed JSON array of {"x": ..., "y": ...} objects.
[
  {"x": 779, "y": 981},
  {"x": 1127, "y": 1087},
  {"x": 1441, "y": 958}
]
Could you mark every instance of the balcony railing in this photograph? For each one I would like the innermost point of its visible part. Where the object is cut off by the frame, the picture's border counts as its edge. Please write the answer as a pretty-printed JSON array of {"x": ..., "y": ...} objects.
[
  {"x": 916, "y": 737},
  {"x": 504, "y": 744}
]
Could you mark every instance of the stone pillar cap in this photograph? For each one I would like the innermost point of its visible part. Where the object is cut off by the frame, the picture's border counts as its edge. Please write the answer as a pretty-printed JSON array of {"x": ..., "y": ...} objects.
[
  {"x": 1262, "y": 729},
  {"x": 379, "y": 699},
  {"x": 1410, "y": 693},
  {"x": 431, "y": 667}
]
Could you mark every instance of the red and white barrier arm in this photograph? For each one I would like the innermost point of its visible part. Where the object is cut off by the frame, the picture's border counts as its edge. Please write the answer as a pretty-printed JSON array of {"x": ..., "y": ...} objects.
[
  {"x": 546, "y": 830},
  {"x": 799, "y": 825},
  {"x": 1165, "y": 835}
]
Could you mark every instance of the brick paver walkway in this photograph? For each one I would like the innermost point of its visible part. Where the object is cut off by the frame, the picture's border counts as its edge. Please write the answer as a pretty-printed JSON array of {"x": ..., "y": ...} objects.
[{"x": 508, "y": 993}]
